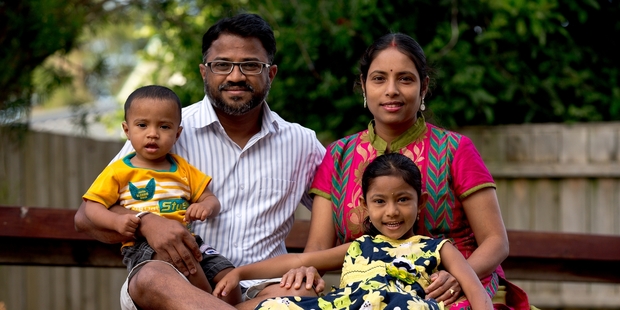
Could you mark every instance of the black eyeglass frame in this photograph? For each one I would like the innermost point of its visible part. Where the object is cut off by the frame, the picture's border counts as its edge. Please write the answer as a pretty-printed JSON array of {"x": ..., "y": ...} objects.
[{"x": 239, "y": 64}]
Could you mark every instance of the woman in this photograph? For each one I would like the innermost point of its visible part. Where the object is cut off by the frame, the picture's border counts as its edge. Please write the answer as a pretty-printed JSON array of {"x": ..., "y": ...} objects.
[{"x": 462, "y": 204}]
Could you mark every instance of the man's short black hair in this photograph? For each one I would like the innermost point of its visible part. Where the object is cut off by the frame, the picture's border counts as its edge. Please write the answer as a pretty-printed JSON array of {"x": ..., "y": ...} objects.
[{"x": 244, "y": 25}]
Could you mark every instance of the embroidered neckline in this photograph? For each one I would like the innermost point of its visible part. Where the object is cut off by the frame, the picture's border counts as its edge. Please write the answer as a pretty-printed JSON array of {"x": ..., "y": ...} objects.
[{"x": 410, "y": 135}]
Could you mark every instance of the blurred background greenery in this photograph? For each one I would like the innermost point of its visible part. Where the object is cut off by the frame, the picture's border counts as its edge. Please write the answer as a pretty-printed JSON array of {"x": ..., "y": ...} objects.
[{"x": 495, "y": 61}]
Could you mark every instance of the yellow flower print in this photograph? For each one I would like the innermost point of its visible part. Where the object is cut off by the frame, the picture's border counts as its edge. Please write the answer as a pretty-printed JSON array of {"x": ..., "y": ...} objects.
[
  {"x": 325, "y": 305},
  {"x": 423, "y": 275},
  {"x": 418, "y": 303},
  {"x": 371, "y": 285},
  {"x": 354, "y": 249},
  {"x": 406, "y": 249},
  {"x": 360, "y": 261},
  {"x": 342, "y": 302},
  {"x": 279, "y": 304},
  {"x": 400, "y": 274},
  {"x": 375, "y": 300}
]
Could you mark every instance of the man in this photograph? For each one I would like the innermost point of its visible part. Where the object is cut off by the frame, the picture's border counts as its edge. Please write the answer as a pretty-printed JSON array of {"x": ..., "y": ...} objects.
[{"x": 262, "y": 167}]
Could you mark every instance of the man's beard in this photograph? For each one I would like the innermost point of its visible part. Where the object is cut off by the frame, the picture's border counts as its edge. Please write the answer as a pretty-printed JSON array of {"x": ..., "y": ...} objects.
[{"x": 215, "y": 96}]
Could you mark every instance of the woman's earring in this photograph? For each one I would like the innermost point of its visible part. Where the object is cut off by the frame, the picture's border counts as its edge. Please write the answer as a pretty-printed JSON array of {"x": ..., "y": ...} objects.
[
  {"x": 422, "y": 106},
  {"x": 365, "y": 105}
]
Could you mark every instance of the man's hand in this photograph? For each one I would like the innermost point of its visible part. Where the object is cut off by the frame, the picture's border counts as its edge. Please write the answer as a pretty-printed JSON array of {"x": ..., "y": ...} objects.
[
  {"x": 295, "y": 277},
  {"x": 443, "y": 287},
  {"x": 172, "y": 242}
]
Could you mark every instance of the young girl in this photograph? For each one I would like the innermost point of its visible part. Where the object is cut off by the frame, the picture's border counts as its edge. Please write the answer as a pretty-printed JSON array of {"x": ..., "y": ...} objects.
[{"x": 386, "y": 269}]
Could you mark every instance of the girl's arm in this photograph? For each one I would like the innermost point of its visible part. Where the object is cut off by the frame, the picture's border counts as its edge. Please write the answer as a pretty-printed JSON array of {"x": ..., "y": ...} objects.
[
  {"x": 455, "y": 264},
  {"x": 329, "y": 259},
  {"x": 322, "y": 236}
]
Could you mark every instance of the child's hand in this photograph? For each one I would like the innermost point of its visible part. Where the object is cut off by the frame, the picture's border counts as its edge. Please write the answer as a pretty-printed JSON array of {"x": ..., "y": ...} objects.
[
  {"x": 226, "y": 284},
  {"x": 295, "y": 277},
  {"x": 198, "y": 211},
  {"x": 127, "y": 224}
]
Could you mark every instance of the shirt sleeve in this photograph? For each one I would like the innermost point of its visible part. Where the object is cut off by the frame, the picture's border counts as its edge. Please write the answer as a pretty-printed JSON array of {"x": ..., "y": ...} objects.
[
  {"x": 322, "y": 184},
  {"x": 469, "y": 171},
  {"x": 313, "y": 165},
  {"x": 105, "y": 190},
  {"x": 198, "y": 180}
]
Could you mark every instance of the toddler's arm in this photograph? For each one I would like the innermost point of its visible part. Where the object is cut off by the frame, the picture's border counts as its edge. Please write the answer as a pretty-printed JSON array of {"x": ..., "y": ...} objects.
[
  {"x": 455, "y": 264},
  {"x": 124, "y": 224},
  {"x": 207, "y": 206}
]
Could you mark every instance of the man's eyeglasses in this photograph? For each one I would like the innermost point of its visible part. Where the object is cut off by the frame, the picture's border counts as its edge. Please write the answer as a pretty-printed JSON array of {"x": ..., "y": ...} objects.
[{"x": 247, "y": 67}]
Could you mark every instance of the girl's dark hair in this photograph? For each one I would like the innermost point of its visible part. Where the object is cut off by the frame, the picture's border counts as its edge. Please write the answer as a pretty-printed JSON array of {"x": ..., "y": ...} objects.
[
  {"x": 390, "y": 164},
  {"x": 153, "y": 92},
  {"x": 243, "y": 25}
]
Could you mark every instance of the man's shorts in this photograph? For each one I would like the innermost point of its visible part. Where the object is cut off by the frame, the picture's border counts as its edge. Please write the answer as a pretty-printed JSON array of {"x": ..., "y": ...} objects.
[
  {"x": 252, "y": 291},
  {"x": 212, "y": 261}
]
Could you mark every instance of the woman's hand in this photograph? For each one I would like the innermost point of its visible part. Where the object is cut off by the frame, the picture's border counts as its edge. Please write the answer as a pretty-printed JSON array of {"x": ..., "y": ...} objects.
[
  {"x": 444, "y": 287},
  {"x": 295, "y": 277}
]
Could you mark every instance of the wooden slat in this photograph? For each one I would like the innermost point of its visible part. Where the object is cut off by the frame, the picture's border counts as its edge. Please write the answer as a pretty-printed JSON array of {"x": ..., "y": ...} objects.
[
  {"x": 29, "y": 222},
  {"x": 296, "y": 239},
  {"x": 42, "y": 236},
  {"x": 564, "y": 246},
  {"x": 555, "y": 256}
]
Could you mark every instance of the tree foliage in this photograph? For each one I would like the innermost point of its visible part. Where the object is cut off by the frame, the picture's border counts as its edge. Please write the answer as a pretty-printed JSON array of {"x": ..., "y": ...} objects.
[
  {"x": 37, "y": 37},
  {"x": 495, "y": 61}
]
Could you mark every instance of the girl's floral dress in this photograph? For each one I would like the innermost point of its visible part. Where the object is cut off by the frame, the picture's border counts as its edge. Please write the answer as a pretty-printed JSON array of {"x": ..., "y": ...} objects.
[{"x": 378, "y": 273}]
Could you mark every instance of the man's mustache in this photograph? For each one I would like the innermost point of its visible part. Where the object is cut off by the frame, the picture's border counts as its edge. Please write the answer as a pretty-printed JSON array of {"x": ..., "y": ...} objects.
[{"x": 236, "y": 86}]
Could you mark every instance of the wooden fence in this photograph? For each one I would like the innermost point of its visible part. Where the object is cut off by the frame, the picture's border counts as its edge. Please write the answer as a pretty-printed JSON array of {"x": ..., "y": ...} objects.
[{"x": 550, "y": 178}]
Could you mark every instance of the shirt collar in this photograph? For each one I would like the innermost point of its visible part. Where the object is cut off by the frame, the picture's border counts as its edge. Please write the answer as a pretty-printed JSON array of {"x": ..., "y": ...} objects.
[
  {"x": 410, "y": 135},
  {"x": 269, "y": 123}
]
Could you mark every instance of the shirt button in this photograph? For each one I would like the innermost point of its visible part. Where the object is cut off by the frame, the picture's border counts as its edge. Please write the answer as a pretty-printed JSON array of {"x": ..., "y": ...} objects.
[{"x": 241, "y": 187}]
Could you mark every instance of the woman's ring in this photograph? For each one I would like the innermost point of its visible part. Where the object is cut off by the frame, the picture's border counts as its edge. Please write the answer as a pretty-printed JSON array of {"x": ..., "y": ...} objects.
[{"x": 451, "y": 292}]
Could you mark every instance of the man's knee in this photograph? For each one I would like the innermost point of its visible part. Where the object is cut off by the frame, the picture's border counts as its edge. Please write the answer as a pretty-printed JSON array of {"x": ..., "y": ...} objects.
[{"x": 146, "y": 279}]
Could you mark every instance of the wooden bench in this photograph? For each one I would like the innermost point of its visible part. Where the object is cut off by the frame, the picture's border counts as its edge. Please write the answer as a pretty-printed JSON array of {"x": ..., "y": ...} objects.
[{"x": 43, "y": 236}]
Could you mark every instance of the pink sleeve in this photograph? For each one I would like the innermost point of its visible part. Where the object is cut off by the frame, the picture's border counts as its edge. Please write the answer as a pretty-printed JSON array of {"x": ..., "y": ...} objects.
[
  {"x": 468, "y": 170},
  {"x": 322, "y": 184}
]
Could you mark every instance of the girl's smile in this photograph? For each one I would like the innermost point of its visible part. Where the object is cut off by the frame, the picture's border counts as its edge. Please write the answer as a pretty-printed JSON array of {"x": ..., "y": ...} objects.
[{"x": 392, "y": 206}]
